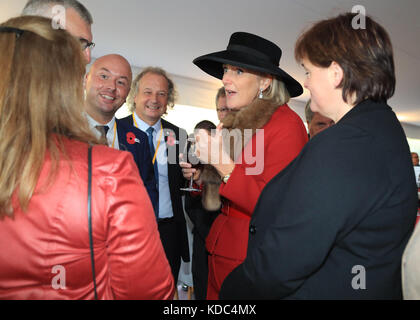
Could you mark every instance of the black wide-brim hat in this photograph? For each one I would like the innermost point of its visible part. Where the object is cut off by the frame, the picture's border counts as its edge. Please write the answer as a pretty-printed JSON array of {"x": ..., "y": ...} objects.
[{"x": 249, "y": 51}]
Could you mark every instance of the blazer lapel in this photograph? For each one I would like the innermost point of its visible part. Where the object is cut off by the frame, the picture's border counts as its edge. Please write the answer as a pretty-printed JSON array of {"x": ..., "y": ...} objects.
[
  {"x": 171, "y": 138},
  {"x": 123, "y": 141},
  {"x": 171, "y": 149}
]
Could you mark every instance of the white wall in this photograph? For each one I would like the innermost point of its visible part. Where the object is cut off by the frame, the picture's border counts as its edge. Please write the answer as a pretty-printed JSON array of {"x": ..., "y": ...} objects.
[{"x": 195, "y": 102}]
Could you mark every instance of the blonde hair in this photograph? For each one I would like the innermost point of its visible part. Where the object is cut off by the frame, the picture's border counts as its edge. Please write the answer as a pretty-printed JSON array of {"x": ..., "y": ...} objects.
[
  {"x": 309, "y": 114},
  {"x": 41, "y": 101},
  {"x": 277, "y": 93}
]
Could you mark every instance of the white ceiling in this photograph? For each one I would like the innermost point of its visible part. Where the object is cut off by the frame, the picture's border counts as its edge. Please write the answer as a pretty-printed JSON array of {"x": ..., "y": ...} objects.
[{"x": 171, "y": 33}]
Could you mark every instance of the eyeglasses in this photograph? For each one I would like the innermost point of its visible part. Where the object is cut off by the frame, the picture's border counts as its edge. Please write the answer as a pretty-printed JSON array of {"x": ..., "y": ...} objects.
[
  {"x": 222, "y": 109},
  {"x": 86, "y": 44}
]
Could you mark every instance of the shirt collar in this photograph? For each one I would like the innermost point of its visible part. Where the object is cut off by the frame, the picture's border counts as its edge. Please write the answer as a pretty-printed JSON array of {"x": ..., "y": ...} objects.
[
  {"x": 93, "y": 123},
  {"x": 143, "y": 126}
]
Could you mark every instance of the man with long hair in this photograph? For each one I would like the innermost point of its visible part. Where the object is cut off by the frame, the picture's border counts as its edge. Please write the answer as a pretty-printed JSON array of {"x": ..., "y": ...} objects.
[{"x": 152, "y": 92}]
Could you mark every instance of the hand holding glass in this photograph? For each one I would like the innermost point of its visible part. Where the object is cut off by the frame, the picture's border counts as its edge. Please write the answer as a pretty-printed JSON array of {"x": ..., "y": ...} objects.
[{"x": 190, "y": 157}]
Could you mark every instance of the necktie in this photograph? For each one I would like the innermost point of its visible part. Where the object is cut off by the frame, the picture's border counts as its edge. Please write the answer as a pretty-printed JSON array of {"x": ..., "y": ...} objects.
[
  {"x": 103, "y": 130},
  {"x": 150, "y": 131}
]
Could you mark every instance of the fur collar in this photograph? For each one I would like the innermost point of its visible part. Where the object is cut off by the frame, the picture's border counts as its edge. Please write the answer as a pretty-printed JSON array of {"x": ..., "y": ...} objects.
[{"x": 254, "y": 116}]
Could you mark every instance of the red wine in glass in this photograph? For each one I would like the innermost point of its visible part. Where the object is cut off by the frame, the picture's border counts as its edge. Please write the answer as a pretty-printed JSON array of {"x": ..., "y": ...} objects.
[{"x": 190, "y": 157}]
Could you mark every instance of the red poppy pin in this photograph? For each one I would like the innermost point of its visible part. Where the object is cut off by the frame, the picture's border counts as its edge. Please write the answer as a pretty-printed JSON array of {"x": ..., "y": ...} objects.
[
  {"x": 171, "y": 141},
  {"x": 131, "y": 138}
]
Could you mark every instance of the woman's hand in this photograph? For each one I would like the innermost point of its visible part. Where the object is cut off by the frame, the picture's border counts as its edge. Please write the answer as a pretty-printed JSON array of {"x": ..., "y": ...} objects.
[
  {"x": 188, "y": 171},
  {"x": 209, "y": 149}
]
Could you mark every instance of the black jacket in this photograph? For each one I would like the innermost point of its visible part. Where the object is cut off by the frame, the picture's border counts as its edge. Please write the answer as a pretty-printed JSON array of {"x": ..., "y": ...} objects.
[
  {"x": 202, "y": 221},
  {"x": 335, "y": 222},
  {"x": 141, "y": 154}
]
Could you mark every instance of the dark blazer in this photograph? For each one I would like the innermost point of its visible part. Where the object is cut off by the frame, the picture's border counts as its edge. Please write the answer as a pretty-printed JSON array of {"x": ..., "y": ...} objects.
[
  {"x": 141, "y": 154},
  {"x": 335, "y": 222},
  {"x": 177, "y": 137},
  {"x": 202, "y": 221}
]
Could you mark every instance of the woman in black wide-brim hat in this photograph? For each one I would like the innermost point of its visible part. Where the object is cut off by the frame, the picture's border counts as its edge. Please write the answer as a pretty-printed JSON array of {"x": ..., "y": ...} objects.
[
  {"x": 334, "y": 223},
  {"x": 257, "y": 92}
]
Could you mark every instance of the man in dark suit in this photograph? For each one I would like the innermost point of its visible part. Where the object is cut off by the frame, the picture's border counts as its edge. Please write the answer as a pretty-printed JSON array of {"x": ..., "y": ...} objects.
[
  {"x": 151, "y": 94},
  {"x": 107, "y": 85}
]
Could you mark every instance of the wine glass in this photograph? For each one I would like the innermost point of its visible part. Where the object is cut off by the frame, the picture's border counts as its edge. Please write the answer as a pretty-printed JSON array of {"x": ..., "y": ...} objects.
[{"x": 190, "y": 157}]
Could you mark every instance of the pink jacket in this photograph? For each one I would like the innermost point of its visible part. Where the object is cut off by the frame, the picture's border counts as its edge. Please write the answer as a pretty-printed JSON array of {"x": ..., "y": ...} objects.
[{"x": 44, "y": 253}]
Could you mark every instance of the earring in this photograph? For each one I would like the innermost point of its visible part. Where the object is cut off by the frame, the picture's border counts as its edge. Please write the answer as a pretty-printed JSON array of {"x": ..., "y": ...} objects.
[{"x": 261, "y": 96}]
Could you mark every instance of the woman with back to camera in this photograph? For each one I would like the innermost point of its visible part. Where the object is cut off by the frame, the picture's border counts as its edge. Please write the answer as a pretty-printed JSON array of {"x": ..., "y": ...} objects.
[
  {"x": 334, "y": 224},
  {"x": 257, "y": 93},
  {"x": 44, "y": 238}
]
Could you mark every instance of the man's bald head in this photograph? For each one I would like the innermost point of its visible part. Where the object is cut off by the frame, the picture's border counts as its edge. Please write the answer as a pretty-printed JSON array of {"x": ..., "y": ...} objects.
[{"x": 107, "y": 85}]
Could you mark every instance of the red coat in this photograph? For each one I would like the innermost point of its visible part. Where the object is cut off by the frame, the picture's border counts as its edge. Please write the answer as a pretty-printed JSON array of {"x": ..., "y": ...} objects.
[
  {"x": 47, "y": 248},
  {"x": 284, "y": 137}
]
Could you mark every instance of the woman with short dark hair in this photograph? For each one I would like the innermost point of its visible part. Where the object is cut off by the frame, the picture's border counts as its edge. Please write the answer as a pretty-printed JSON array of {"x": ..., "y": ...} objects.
[{"x": 334, "y": 223}]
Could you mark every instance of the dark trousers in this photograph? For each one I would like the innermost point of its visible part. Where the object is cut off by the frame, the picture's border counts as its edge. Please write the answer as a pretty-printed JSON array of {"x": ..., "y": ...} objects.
[
  {"x": 200, "y": 268},
  {"x": 168, "y": 235},
  {"x": 202, "y": 220}
]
